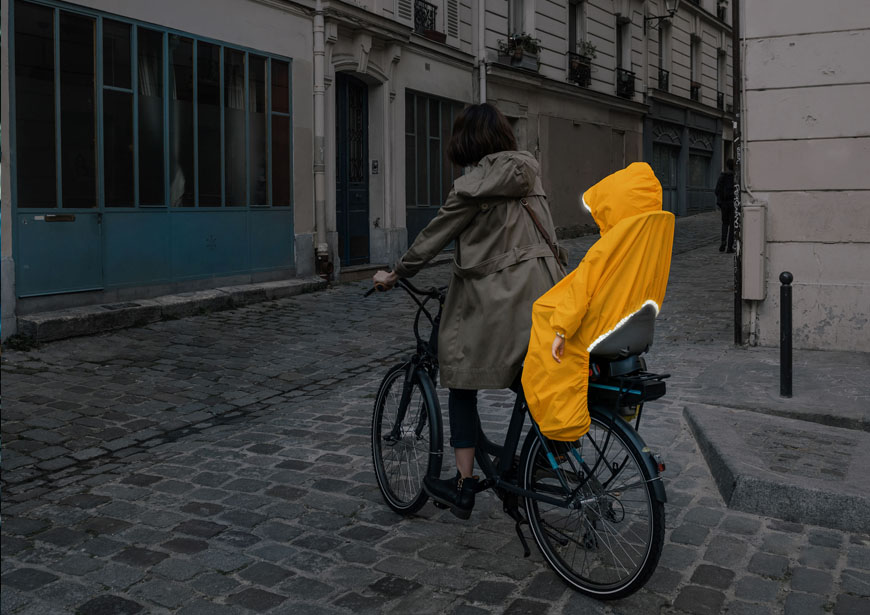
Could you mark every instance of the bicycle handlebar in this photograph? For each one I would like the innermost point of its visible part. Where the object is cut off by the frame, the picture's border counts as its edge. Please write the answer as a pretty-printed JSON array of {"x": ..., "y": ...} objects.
[{"x": 405, "y": 284}]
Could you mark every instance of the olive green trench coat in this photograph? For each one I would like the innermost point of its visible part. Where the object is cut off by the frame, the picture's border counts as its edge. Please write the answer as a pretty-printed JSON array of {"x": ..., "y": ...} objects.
[{"x": 501, "y": 265}]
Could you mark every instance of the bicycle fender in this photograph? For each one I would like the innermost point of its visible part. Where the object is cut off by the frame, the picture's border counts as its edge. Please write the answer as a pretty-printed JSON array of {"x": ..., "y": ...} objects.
[
  {"x": 436, "y": 446},
  {"x": 646, "y": 455}
]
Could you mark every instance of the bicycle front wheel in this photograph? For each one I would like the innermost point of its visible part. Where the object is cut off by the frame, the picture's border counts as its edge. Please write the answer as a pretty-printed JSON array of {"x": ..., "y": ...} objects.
[
  {"x": 606, "y": 540},
  {"x": 406, "y": 437}
]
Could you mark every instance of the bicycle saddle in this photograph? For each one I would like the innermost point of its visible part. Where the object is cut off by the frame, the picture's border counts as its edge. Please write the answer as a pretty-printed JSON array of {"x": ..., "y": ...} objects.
[{"x": 633, "y": 337}]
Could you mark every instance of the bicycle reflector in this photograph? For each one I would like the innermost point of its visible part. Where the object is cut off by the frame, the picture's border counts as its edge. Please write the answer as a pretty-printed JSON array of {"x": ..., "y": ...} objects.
[{"x": 660, "y": 464}]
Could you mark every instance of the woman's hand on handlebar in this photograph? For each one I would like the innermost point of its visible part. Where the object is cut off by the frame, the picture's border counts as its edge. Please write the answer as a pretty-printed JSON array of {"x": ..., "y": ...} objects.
[{"x": 384, "y": 280}]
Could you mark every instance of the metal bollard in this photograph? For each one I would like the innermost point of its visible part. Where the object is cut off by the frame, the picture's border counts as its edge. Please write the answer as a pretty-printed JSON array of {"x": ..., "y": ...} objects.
[{"x": 786, "y": 279}]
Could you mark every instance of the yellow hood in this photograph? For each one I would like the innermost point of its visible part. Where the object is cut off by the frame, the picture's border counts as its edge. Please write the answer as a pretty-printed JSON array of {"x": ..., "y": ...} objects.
[{"x": 632, "y": 191}]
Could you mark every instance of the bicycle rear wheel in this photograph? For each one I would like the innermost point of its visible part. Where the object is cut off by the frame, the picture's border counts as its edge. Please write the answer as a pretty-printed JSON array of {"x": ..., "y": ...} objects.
[
  {"x": 406, "y": 442},
  {"x": 608, "y": 541}
]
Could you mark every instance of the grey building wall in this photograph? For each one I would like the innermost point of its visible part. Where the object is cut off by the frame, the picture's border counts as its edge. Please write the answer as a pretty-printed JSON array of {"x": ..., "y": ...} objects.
[{"x": 807, "y": 143}]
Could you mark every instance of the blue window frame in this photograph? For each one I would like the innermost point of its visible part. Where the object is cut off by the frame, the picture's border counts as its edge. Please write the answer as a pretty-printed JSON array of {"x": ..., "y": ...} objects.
[{"x": 116, "y": 113}]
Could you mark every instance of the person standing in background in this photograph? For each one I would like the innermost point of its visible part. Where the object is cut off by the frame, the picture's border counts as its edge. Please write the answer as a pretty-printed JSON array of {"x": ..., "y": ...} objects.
[{"x": 725, "y": 203}]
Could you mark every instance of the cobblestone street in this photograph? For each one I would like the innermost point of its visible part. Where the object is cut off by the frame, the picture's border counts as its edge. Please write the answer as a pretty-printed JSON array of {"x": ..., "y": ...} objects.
[{"x": 221, "y": 464}]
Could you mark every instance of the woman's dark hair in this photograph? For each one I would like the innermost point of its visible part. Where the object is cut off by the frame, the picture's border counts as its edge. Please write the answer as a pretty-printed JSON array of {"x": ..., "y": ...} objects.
[{"x": 480, "y": 130}]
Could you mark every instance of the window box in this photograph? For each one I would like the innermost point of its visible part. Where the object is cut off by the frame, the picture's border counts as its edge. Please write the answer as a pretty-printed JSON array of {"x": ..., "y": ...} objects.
[{"x": 520, "y": 50}]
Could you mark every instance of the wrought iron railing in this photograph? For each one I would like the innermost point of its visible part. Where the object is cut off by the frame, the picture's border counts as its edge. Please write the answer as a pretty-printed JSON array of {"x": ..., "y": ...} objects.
[
  {"x": 424, "y": 16},
  {"x": 695, "y": 91},
  {"x": 624, "y": 83},
  {"x": 579, "y": 69},
  {"x": 664, "y": 79},
  {"x": 720, "y": 101}
]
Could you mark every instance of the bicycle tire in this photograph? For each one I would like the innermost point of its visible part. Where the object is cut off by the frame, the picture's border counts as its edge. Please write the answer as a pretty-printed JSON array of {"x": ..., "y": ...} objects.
[
  {"x": 609, "y": 546},
  {"x": 402, "y": 463}
]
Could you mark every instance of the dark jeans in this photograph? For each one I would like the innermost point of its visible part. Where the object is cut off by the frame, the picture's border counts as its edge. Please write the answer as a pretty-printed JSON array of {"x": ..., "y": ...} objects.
[
  {"x": 727, "y": 226},
  {"x": 462, "y": 407}
]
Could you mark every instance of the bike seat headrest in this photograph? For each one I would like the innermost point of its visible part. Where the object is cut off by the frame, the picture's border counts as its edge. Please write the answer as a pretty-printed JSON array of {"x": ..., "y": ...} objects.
[{"x": 634, "y": 337}]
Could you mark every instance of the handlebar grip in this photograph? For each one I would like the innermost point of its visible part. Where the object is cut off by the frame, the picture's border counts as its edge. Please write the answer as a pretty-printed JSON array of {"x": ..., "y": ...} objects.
[{"x": 377, "y": 287}]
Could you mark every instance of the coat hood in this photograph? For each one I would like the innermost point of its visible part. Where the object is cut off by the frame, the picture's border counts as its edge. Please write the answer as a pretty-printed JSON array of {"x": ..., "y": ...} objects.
[
  {"x": 503, "y": 174},
  {"x": 630, "y": 192}
]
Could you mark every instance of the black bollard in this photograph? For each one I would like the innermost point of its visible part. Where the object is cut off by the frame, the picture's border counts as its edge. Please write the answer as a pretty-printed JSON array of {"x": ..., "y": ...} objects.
[{"x": 785, "y": 334}]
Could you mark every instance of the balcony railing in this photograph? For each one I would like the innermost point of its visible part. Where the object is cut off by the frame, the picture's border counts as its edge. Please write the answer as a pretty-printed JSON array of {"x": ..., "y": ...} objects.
[
  {"x": 579, "y": 69},
  {"x": 720, "y": 101},
  {"x": 664, "y": 79},
  {"x": 695, "y": 91},
  {"x": 624, "y": 83},
  {"x": 424, "y": 17}
]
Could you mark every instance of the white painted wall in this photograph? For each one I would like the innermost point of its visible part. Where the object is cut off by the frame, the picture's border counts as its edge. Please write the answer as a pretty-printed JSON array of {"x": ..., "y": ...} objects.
[{"x": 807, "y": 143}]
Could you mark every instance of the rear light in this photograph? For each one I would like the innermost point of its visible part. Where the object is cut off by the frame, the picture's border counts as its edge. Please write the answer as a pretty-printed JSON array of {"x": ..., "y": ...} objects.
[{"x": 660, "y": 464}]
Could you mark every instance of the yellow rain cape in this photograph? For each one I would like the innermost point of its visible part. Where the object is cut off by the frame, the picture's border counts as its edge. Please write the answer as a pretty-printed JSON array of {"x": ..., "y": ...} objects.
[{"x": 624, "y": 270}]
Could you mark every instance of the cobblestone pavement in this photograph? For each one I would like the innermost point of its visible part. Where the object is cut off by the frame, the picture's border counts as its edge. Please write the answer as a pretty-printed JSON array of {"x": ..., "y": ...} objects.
[{"x": 221, "y": 464}]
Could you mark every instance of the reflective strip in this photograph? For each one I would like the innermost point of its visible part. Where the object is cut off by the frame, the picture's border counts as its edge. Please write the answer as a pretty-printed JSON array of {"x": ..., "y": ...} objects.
[{"x": 622, "y": 322}]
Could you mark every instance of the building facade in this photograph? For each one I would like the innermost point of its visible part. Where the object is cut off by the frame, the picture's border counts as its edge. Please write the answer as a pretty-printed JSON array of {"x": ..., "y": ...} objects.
[
  {"x": 806, "y": 191},
  {"x": 153, "y": 148}
]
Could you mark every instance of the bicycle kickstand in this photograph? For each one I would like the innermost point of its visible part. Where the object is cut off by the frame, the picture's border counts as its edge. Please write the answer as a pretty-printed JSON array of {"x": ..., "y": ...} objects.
[{"x": 514, "y": 513}]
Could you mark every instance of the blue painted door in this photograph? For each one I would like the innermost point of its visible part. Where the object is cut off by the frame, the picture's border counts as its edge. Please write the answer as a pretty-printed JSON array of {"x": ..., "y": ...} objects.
[{"x": 352, "y": 177}]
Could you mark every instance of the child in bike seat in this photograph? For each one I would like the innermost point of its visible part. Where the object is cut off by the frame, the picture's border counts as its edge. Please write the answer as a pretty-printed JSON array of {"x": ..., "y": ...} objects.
[{"x": 621, "y": 279}]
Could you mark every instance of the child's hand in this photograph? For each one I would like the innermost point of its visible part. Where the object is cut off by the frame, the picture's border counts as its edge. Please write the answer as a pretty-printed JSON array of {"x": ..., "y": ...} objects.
[{"x": 558, "y": 348}]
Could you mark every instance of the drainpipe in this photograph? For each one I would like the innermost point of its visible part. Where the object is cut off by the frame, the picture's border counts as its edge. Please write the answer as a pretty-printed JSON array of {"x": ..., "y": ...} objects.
[
  {"x": 323, "y": 264},
  {"x": 481, "y": 48},
  {"x": 737, "y": 93}
]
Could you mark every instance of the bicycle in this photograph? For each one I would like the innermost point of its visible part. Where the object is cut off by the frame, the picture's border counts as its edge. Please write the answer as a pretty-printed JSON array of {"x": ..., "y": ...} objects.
[{"x": 595, "y": 507}]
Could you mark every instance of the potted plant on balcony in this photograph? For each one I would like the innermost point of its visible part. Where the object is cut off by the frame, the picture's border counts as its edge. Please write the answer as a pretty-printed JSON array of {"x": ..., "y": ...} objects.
[
  {"x": 520, "y": 50},
  {"x": 586, "y": 52}
]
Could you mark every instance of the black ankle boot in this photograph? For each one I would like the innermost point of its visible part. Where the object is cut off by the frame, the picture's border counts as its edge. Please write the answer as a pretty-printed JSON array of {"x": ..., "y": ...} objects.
[{"x": 455, "y": 493}]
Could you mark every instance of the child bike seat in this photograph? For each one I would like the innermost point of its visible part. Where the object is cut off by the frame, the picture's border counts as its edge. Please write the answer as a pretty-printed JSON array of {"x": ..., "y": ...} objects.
[{"x": 633, "y": 337}]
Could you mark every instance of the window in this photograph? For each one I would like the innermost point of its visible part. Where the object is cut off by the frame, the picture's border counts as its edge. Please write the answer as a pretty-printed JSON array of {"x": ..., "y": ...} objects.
[
  {"x": 429, "y": 175},
  {"x": 623, "y": 42},
  {"x": 576, "y": 25},
  {"x": 168, "y": 120},
  {"x": 664, "y": 32},
  {"x": 516, "y": 17}
]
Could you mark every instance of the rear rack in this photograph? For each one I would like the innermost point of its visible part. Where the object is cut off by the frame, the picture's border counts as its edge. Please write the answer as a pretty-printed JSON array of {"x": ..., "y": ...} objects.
[{"x": 627, "y": 391}]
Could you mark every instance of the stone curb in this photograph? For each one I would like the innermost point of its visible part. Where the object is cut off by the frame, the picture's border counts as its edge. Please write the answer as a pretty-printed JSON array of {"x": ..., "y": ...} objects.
[
  {"x": 785, "y": 468},
  {"x": 89, "y": 320}
]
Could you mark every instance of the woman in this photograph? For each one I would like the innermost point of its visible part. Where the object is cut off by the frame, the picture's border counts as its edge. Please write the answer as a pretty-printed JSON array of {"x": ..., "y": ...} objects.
[{"x": 502, "y": 263}]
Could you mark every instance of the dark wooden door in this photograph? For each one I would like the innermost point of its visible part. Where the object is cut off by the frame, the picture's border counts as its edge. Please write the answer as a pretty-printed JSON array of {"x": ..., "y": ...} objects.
[{"x": 352, "y": 162}]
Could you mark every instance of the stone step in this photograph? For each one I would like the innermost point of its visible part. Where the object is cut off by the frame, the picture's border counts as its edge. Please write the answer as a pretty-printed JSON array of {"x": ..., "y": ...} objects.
[{"x": 790, "y": 469}]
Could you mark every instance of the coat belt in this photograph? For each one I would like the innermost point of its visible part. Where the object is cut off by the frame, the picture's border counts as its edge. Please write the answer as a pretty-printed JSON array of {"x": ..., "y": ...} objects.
[{"x": 502, "y": 261}]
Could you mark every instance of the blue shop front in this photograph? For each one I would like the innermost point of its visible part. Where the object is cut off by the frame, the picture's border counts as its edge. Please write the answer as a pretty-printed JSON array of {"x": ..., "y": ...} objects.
[{"x": 143, "y": 157}]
